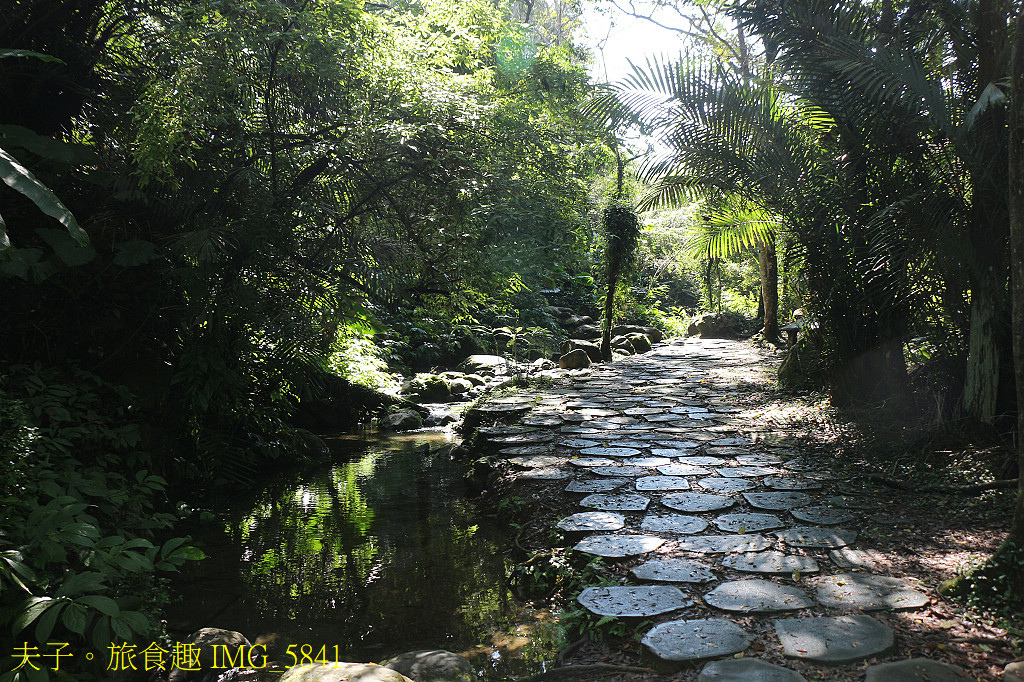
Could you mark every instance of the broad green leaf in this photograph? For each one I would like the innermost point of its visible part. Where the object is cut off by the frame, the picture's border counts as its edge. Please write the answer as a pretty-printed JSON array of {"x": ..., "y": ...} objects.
[
  {"x": 136, "y": 621},
  {"x": 104, "y": 605},
  {"x": 19, "y": 178},
  {"x": 44, "y": 626},
  {"x": 135, "y": 252},
  {"x": 79, "y": 583},
  {"x": 67, "y": 249},
  {"x": 29, "y": 53},
  {"x": 74, "y": 619},
  {"x": 32, "y": 608},
  {"x": 46, "y": 147}
]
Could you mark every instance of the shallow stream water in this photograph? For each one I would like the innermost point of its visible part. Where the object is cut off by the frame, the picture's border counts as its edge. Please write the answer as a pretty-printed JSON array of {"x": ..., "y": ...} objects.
[{"x": 373, "y": 555}]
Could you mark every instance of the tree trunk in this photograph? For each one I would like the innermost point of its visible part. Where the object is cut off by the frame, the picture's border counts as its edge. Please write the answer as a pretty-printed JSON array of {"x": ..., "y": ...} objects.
[
  {"x": 1016, "y": 205},
  {"x": 981, "y": 389},
  {"x": 606, "y": 331},
  {"x": 768, "y": 266}
]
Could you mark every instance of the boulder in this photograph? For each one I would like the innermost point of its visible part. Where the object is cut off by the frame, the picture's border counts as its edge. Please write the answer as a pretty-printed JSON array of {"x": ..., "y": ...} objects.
[
  {"x": 574, "y": 359},
  {"x": 592, "y": 349},
  {"x": 627, "y": 329},
  {"x": 402, "y": 420},
  {"x": 710, "y": 326},
  {"x": 622, "y": 343},
  {"x": 432, "y": 666},
  {"x": 503, "y": 338},
  {"x": 654, "y": 334},
  {"x": 484, "y": 365},
  {"x": 460, "y": 385},
  {"x": 427, "y": 388},
  {"x": 342, "y": 672},
  {"x": 543, "y": 363},
  {"x": 475, "y": 379},
  {"x": 1014, "y": 672},
  {"x": 640, "y": 342},
  {"x": 586, "y": 331},
  {"x": 210, "y": 639}
]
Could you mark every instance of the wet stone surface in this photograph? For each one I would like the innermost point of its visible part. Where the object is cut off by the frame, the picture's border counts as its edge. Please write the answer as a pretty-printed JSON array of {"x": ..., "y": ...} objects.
[
  {"x": 757, "y": 596},
  {"x": 868, "y": 592},
  {"x": 619, "y": 545},
  {"x": 772, "y": 563},
  {"x": 679, "y": 524},
  {"x": 697, "y": 502},
  {"x": 747, "y": 523},
  {"x": 674, "y": 570},
  {"x": 611, "y": 502},
  {"x": 721, "y": 544},
  {"x": 635, "y": 602},
  {"x": 687, "y": 640},
  {"x": 833, "y": 640},
  {"x": 592, "y": 521}
]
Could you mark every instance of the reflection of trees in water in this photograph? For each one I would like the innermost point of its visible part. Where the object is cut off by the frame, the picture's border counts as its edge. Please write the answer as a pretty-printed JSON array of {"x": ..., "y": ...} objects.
[{"x": 377, "y": 550}]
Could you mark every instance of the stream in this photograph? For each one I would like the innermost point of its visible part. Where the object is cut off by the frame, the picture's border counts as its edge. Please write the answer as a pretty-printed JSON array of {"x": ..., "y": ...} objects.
[{"x": 376, "y": 553}]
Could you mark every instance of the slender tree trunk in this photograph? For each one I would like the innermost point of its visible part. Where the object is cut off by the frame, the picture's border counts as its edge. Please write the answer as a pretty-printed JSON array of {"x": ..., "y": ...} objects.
[
  {"x": 1016, "y": 201},
  {"x": 606, "y": 331},
  {"x": 768, "y": 267}
]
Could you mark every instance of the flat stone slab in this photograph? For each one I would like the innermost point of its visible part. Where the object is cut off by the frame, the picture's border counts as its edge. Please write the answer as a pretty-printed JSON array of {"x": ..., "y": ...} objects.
[
  {"x": 732, "y": 441},
  {"x": 545, "y": 474},
  {"x": 757, "y": 596},
  {"x": 524, "y": 438},
  {"x": 673, "y": 523},
  {"x": 590, "y": 521},
  {"x": 747, "y": 670},
  {"x": 619, "y": 545},
  {"x": 725, "y": 485},
  {"x": 790, "y": 483},
  {"x": 917, "y": 670},
  {"x": 745, "y": 471},
  {"x": 619, "y": 502},
  {"x": 868, "y": 592},
  {"x": 846, "y": 557},
  {"x": 592, "y": 462},
  {"x": 674, "y": 570},
  {"x": 537, "y": 461},
  {"x": 833, "y": 640},
  {"x": 724, "y": 544},
  {"x": 542, "y": 420},
  {"x": 633, "y": 602},
  {"x": 609, "y": 452},
  {"x": 688, "y": 640},
  {"x": 525, "y": 450},
  {"x": 596, "y": 485},
  {"x": 758, "y": 460},
  {"x": 621, "y": 470},
  {"x": 662, "y": 483},
  {"x": 683, "y": 470},
  {"x": 772, "y": 563},
  {"x": 647, "y": 461},
  {"x": 778, "y": 500},
  {"x": 697, "y": 502},
  {"x": 821, "y": 538},
  {"x": 702, "y": 461},
  {"x": 579, "y": 443},
  {"x": 822, "y": 515},
  {"x": 744, "y": 523}
]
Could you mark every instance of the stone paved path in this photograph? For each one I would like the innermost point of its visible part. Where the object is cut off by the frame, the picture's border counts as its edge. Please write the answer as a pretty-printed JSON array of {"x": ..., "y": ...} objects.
[{"x": 721, "y": 524}]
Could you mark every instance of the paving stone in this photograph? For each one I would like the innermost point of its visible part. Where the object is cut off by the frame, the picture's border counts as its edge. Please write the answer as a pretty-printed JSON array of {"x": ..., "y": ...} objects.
[
  {"x": 647, "y": 461},
  {"x": 735, "y": 440},
  {"x": 721, "y": 544},
  {"x": 744, "y": 522},
  {"x": 674, "y": 570},
  {"x": 544, "y": 474},
  {"x": 592, "y": 462},
  {"x": 591, "y": 521},
  {"x": 697, "y": 502},
  {"x": 579, "y": 443},
  {"x": 494, "y": 431},
  {"x": 673, "y": 523},
  {"x": 617, "y": 546},
  {"x": 683, "y": 470},
  {"x": 621, "y": 470},
  {"x": 524, "y": 438},
  {"x": 851, "y": 502},
  {"x": 745, "y": 471},
  {"x": 525, "y": 450},
  {"x": 790, "y": 483},
  {"x": 812, "y": 536},
  {"x": 917, "y": 670},
  {"x": 633, "y": 602},
  {"x": 833, "y": 640},
  {"x": 702, "y": 461},
  {"x": 868, "y": 592},
  {"x": 747, "y": 670},
  {"x": 778, "y": 500},
  {"x": 725, "y": 485},
  {"x": 537, "y": 461},
  {"x": 771, "y": 563},
  {"x": 542, "y": 420},
  {"x": 596, "y": 485},
  {"x": 822, "y": 515},
  {"x": 677, "y": 445},
  {"x": 662, "y": 483},
  {"x": 687, "y": 640},
  {"x": 758, "y": 460},
  {"x": 609, "y": 452},
  {"x": 616, "y": 502},
  {"x": 846, "y": 557},
  {"x": 757, "y": 596}
]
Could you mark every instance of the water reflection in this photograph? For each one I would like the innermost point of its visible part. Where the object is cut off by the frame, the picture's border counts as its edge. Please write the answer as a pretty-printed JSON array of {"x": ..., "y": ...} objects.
[{"x": 377, "y": 555}]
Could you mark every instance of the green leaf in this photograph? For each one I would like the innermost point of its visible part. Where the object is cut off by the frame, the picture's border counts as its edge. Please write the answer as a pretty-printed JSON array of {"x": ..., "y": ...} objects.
[
  {"x": 74, "y": 619},
  {"x": 104, "y": 605},
  {"x": 135, "y": 252},
  {"x": 79, "y": 583},
  {"x": 67, "y": 249},
  {"x": 19, "y": 178},
  {"x": 44, "y": 626},
  {"x": 32, "y": 608},
  {"x": 46, "y": 147},
  {"x": 136, "y": 621},
  {"x": 29, "y": 53}
]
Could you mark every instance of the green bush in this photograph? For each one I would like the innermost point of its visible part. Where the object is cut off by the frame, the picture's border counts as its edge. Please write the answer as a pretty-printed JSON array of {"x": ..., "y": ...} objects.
[{"x": 79, "y": 541}]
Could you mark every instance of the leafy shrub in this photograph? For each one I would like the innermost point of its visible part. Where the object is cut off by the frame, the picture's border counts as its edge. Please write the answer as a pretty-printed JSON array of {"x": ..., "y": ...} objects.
[{"x": 79, "y": 540}]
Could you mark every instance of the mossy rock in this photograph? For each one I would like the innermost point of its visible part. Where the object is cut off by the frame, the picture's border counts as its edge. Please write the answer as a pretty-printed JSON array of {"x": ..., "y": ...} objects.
[{"x": 427, "y": 388}]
